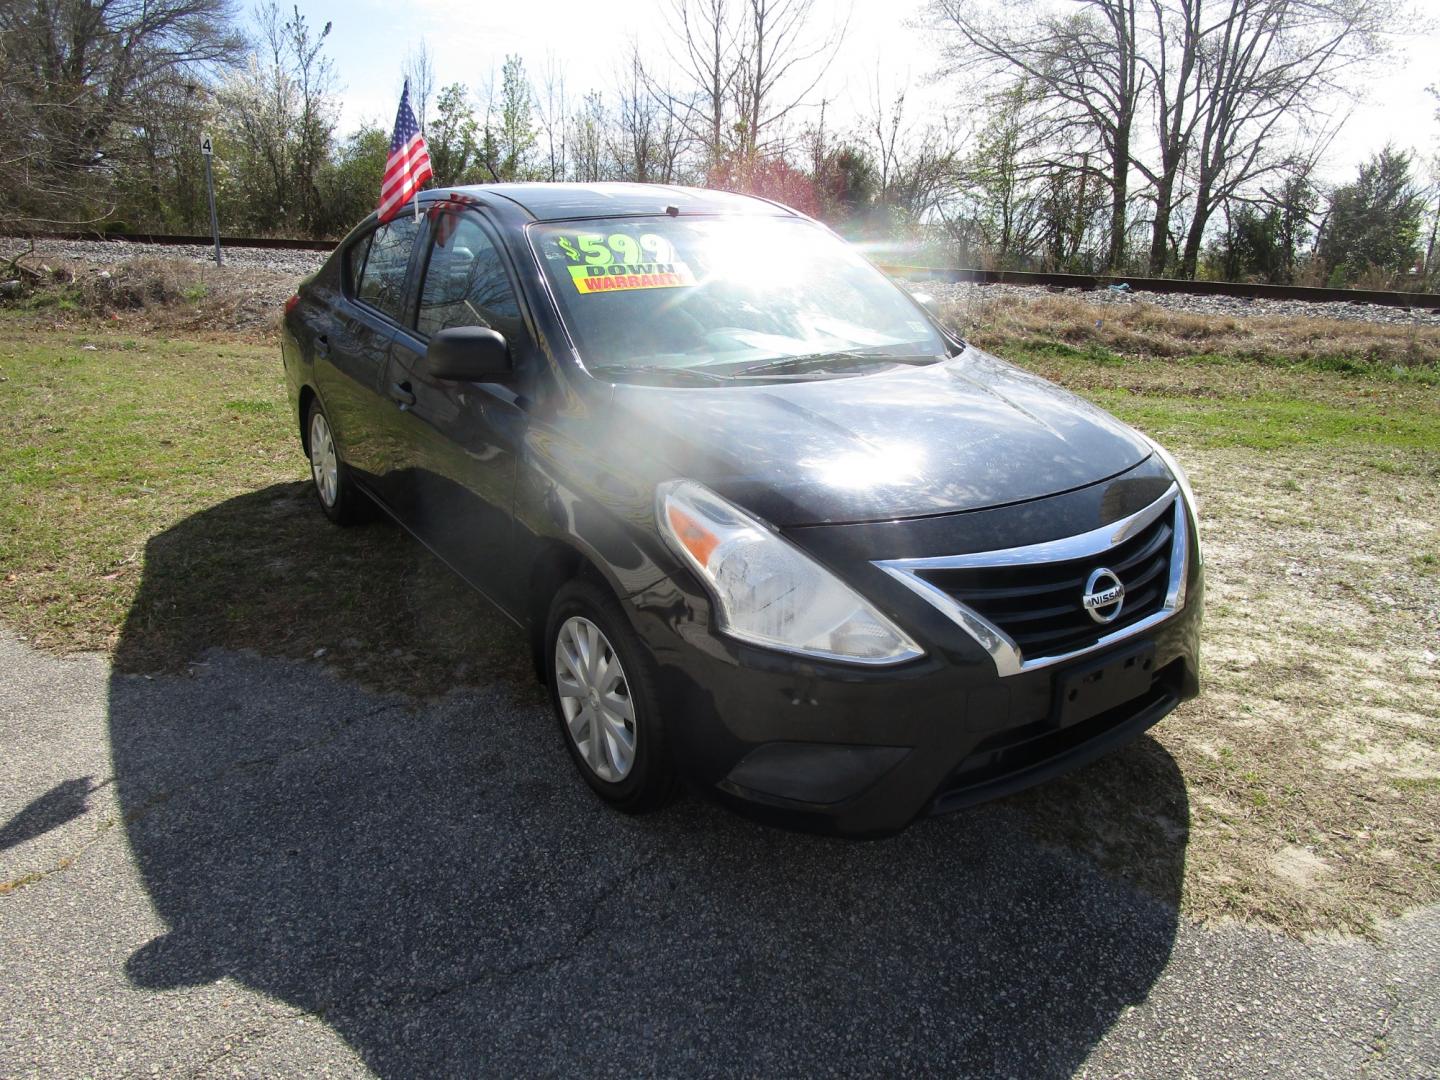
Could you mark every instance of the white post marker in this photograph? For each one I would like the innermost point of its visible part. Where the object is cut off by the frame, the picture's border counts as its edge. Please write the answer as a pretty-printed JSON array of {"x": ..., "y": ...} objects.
[{"x": 207, "y": 149}]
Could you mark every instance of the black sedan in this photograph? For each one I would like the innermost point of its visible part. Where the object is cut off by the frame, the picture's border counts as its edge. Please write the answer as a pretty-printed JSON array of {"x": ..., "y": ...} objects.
[{"x": 770, "y": 528}]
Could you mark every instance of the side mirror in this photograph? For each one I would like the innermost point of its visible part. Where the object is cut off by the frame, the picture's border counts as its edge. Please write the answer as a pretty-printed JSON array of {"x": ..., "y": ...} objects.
[
  {"x": 469, "y": 354},
  {"x": 928, "y": 302}
]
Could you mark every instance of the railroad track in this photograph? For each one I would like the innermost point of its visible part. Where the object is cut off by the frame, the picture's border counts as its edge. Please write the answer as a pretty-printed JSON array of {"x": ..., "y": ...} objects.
[
  {"x": 1092, "y": 282},
  {"x": 272, "y": 242},
  {"x": 1081, "y": 282}
]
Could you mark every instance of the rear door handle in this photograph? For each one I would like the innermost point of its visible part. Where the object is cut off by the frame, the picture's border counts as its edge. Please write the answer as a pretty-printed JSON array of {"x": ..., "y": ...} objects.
[
  {"x": 402, "y": 394},
  {"x": 322, "y": 345}
]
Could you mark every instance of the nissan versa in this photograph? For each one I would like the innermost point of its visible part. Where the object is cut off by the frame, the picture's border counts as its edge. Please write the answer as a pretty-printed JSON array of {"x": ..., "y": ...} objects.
[{"x": 770, "y": 528}]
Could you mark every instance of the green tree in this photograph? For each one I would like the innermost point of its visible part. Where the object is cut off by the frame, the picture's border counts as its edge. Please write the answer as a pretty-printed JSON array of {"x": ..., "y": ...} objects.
[
  {"x": 1263, "y": 238},
  {"x": 278, "y": 119},
  {"x": 351, "y": 179},
  {"x": 1375, "y": 221},
  {"x": 453, "y": 136},
  {"x": 1006, "y": 182},
  {"x": 510, "y": 134}
]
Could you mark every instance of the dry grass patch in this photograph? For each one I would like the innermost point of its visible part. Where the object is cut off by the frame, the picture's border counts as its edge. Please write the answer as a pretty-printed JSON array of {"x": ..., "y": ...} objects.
[
  {"x": 1312, "y": 760},
  {"x": 1131, "y": 329},
  {"x": 153, "y": 295}
]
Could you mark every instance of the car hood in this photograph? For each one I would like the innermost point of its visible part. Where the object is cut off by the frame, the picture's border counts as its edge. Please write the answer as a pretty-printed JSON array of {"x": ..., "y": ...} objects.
[{"x": 968, "y": 433}]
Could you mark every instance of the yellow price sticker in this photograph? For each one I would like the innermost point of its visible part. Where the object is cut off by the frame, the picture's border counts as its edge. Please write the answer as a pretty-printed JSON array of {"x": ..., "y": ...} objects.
[{"x": 623, "y": 277}]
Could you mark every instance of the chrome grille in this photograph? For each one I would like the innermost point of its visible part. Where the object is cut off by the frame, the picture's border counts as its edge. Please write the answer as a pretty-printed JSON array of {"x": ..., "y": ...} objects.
[
  {"x": 1024, "y": 605},
  {"x": 1038, "y": 606}
]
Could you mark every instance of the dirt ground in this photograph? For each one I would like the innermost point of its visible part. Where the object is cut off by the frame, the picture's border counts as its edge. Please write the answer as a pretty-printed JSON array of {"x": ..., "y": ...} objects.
[{"x": 1312, "y": 758}]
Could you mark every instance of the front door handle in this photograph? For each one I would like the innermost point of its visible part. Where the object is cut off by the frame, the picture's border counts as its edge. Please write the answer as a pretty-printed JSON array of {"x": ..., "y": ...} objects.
[{"x": 402, "y": 394}]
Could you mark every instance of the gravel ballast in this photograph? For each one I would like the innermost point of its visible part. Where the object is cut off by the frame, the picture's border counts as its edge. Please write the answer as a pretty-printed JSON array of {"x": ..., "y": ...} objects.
[
  {"x": 969, "y": 293},
  {"x": 294, "y": 261}
]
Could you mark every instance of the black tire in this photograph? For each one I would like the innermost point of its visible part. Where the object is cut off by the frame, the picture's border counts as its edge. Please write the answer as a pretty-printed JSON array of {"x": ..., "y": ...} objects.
[
  {"x": 650, "y": 781},
  {"x": 346, "y": 504}
]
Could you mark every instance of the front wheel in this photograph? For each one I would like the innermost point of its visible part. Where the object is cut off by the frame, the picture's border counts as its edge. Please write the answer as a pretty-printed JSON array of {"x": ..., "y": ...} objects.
[
  {"x": 603, "y": 690},
  {"x": 341, "y": 500}
]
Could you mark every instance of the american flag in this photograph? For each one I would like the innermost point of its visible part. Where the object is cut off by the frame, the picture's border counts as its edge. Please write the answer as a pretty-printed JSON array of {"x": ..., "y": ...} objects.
[{"x": 408, "y": 166}]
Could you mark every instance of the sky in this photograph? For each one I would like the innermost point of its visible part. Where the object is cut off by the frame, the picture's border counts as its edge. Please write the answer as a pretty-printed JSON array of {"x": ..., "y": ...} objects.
[{"x": 589, "y": 40}]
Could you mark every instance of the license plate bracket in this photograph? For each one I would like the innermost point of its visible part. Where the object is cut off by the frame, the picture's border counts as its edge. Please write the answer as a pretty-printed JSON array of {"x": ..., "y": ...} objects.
[{"x": 1087, "y": 691}]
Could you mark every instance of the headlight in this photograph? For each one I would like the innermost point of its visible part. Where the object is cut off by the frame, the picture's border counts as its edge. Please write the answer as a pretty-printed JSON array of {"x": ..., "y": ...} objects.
[
  {"x": 766, "y": 590},
  {"x": 1187, "y": 493}
]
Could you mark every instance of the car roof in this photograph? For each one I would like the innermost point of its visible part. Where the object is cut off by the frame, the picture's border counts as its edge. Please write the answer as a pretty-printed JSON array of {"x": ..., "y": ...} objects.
[{"x": 551, "y": 202}]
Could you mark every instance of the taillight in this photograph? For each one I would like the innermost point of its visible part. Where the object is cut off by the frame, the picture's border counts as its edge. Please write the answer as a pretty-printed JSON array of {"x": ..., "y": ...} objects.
[{"x": 290, "y": 304}]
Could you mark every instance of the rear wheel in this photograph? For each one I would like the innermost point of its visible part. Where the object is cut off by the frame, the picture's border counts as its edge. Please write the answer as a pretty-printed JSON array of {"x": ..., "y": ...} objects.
[
  {"x": 603, "y": 689},
  {"x": 341, "y": 500}
]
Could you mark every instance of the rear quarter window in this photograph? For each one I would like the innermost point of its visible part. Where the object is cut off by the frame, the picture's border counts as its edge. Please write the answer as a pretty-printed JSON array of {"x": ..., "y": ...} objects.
[
  {"x": 355, "y": 263},
  {"x": 382, "y": 280}
]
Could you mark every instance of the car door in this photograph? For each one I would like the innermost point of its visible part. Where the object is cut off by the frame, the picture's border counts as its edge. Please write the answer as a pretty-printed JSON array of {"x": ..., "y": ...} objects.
[
  {"x": 351, "y": 354},
  {"x": 452, "y": 479}
]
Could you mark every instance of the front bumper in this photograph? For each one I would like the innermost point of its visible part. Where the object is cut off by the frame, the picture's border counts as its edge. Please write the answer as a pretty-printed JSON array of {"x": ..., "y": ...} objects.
[{"x": 864, "y": 751}]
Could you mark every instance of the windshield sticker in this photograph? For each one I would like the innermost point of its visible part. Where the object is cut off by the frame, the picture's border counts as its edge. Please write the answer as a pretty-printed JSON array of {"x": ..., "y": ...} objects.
[
  {"x": 618, "y": 276},
  {"x": 600, "y": 263}
]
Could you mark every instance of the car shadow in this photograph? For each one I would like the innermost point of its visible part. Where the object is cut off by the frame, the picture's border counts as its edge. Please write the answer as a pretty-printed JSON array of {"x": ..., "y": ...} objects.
[{"x": 428, "y": 877}]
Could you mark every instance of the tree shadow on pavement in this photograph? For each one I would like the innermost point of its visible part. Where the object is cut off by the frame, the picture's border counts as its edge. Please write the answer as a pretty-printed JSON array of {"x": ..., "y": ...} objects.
[{"x": 430, "y": 879}]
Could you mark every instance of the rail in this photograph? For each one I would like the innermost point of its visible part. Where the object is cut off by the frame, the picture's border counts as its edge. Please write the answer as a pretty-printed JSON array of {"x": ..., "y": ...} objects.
[{"x": 272, "y": 242}]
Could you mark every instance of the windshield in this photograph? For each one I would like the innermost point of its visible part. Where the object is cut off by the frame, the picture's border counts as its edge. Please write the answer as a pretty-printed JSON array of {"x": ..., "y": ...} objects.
[{"x": 704, "y": 299}]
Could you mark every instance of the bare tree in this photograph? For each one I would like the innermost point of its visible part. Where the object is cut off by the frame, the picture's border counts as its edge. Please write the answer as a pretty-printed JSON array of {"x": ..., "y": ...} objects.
[
  {"x": 633, "y": 142},
  {"x": 707, "y": 50},
  {"x": 1085, "y": 63},
  {"x": 781, "y": 66},
  {"x": 278, "y": 120},
  {"x": 75, "y": 75},
  {"x": 554, "y": 119},
  {"x": 418, "y": 69},
  {"x": 917, "y": 170},
  {"x": 645, "y": 139},
  {"x": 1176, "y": 35},
  {"x": 315, "y": 79},
  {"x": 1263, "y": 67},
  {"x": 588, "y": 127},
  {"x": 1432, "y": 246}
]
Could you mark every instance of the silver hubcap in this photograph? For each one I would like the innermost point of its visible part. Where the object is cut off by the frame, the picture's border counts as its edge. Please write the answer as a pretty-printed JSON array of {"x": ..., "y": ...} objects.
[
  {"x": 324, "y": 466},
  {"x": 595, "y": 699}
]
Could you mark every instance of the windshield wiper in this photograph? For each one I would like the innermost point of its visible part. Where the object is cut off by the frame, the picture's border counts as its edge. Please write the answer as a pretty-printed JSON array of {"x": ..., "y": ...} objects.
[
  {"x": 657, "y": 371},
  {"x": 820, "y": 361}
]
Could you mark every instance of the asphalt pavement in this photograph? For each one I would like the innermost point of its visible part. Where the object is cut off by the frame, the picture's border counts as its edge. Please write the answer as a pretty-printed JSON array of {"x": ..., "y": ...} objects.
[{"x": 259, "y": 869}]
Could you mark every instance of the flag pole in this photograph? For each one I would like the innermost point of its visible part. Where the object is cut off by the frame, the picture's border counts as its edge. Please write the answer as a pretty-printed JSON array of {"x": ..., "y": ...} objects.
[{"x": 417, "y": 186}]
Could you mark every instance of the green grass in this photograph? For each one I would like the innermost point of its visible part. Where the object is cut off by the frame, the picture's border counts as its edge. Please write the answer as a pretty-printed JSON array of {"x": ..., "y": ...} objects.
[
  {"x": 1408, "y": 784},
  {"x": 154, "y": 500},
  {"x": 1212, "y": 402},
  {"x": 1270, "y": 422}
]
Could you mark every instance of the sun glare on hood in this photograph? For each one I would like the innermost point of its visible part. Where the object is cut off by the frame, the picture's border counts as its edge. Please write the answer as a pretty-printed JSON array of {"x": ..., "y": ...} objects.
[{"x": 860, "y": 469}]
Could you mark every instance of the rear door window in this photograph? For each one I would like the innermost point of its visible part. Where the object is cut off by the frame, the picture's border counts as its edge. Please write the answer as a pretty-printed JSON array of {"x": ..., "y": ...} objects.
[
  {"x": 382, "y": 281},
  {"x": 465, "y": 281}
]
